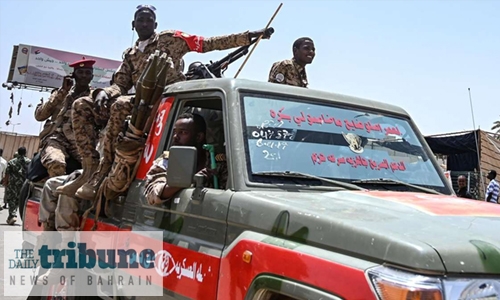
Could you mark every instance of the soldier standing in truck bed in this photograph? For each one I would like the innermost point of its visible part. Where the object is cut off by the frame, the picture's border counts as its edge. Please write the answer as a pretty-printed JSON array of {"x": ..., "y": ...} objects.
[
  {"x": 111, "y": 102},
  {"x": 293, "y": 71},
  {"x": 57, "y": 139}
]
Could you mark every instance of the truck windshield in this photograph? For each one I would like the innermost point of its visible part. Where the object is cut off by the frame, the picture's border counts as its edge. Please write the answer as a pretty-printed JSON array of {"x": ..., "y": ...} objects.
[{"x": 334, "y": 142}]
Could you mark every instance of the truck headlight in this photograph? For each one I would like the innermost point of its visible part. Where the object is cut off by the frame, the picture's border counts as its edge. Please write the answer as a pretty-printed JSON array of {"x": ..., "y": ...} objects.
[{"x": 392, "y": 284}]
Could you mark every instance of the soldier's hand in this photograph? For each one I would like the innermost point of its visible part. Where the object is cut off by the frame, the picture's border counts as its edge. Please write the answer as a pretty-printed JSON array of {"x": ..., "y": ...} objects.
[
  {"x": 266, "y": 33},
  {"x": 101, "y": 101},
  {"x": 67, "y": 83},
  {"x": 207, "y": 173}
]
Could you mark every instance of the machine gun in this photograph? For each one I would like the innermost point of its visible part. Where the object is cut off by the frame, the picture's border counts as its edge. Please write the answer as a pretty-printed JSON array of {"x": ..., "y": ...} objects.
[{"x": 198, "y": 70}]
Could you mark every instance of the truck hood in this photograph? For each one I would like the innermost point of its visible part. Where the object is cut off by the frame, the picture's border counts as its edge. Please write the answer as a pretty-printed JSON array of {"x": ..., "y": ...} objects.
[{"x": 433, "y": 233}]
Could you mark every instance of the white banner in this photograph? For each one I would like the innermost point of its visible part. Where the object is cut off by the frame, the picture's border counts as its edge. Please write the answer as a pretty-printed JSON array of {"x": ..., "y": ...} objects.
[{"x": 45, "y": 67}]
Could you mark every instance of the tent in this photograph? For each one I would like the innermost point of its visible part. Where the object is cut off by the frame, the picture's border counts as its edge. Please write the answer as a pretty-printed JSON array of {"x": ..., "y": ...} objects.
[{"x": 461, "y": 152}]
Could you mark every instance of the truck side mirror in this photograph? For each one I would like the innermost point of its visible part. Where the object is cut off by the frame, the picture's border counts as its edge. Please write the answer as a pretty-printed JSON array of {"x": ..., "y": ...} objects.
[{"x": 182, "y": 162}]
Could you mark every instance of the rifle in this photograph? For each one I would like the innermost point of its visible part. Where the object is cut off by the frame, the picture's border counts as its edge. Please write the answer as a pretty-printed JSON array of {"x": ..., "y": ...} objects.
[{"x": 198, "y": 70}]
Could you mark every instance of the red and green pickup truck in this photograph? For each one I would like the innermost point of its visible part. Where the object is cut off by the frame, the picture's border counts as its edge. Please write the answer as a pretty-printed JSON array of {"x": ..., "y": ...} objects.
[{"x": 328, "y": 197}]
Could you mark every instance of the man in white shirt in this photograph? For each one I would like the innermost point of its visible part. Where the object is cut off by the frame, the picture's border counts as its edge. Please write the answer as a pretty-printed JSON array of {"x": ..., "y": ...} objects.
[{"x": 493, "y": 189}]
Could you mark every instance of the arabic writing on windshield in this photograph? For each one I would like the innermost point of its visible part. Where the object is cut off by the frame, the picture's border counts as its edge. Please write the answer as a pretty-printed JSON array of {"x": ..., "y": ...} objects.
[
  {"x": 350, "y": 125},
  {"x": 357, "y": 161},
  {"x": 333, "y": 142}
]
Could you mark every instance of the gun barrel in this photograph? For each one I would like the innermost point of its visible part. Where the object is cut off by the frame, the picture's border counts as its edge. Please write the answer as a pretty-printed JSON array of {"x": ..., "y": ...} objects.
[
  {"x": 238, "y": 56},
  {"x": 226, "y": 60}
]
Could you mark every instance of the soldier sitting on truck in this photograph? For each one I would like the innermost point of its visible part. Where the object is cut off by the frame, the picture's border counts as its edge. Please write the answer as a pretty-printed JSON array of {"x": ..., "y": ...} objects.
[
  {"x": 60, "y": 212},
  {"x": 57, "y": 140},
  {"x": 189, "y": 130},
  {"x": 111, "y": 102}
]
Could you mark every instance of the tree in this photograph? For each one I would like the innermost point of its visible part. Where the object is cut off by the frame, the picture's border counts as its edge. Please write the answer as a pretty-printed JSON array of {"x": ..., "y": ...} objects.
[{"x": 496, "y": 126}]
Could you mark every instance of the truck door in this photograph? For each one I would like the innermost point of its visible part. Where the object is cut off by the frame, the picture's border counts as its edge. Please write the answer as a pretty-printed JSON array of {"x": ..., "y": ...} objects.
[{"x": 193, "y": 230}]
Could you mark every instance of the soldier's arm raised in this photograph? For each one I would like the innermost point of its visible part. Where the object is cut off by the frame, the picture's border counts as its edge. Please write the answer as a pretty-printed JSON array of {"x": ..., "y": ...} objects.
[
  {"x": 44, "y": 110},
  {"x": 195, "y": 43}
]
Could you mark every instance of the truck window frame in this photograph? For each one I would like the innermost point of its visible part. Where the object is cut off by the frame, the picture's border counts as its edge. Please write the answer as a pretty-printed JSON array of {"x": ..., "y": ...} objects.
[
  {"x": 251, "y": 182},
  {"x": 194, "y": 99}
]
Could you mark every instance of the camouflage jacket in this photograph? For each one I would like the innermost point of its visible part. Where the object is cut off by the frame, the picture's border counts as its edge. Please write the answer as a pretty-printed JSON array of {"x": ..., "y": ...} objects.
[
  {"x": 175, "y": 44},
  {"x": 58, "y": 109},
  {"x": 16, "y": 170},
  {"x": 288, "y": 72},
  {"x": 156, "y": 178}
]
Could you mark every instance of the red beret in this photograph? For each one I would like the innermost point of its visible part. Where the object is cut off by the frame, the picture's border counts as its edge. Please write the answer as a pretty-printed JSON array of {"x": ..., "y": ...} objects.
[{"x": 84, "y": 63}]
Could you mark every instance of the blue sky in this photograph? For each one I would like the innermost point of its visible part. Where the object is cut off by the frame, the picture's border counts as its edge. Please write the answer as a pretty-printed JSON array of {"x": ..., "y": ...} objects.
[{"x": 420, "y": 55}]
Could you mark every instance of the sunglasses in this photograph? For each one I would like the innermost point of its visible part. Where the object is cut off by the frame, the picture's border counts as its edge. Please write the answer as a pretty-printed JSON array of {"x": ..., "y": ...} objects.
[{"x": 151, "y": 7}]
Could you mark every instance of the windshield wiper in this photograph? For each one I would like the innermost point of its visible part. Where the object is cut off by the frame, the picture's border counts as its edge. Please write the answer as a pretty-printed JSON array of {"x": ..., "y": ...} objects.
[
  {"x": 346, "y": 185},
  {"x": 394, "y": 181}
]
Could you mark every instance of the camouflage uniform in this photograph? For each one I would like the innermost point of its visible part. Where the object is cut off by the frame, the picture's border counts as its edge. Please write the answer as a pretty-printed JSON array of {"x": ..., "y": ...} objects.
[
  {"x": 288, "y": 72},
  {"x": 175, "y": 44},
  {"x": 50, "y": 111},
  {"x": 58, "y": 212},
  {"x": 57, "y": 139},
  {"x": 156, "y": 178},
  {"x": 16, "y": 172},
  {"x": 85, "y": 120}
]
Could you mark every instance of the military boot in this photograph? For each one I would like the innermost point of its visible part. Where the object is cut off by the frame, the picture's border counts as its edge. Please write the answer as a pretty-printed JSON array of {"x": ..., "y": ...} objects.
[
  {"x": 89, "y": 190},
  {"x": 89, "y": 165},
  {"x": 11, "y": 220}
]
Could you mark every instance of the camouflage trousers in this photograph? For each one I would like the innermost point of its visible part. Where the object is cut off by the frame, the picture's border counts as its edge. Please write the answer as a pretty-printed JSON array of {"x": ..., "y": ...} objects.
[
  {"x": 12, "y": 191},
  {"x": 85, "y": 119},
  {"x": 54, "y": 153},
  {"x": 58, "y": 212},
  {"x": 120, "y": 109}
]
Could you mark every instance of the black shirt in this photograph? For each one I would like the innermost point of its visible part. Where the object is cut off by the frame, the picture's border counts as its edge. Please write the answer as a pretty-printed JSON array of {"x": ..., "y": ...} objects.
[{"x": 463, "y": 193}]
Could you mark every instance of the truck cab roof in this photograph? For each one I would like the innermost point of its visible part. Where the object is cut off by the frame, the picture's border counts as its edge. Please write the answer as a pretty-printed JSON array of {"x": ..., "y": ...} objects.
[{"x": 234, "y": 85}]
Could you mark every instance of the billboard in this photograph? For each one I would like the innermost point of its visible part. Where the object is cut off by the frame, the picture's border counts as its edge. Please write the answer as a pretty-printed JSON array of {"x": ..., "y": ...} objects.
[{"x": 44, "y": 67}]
